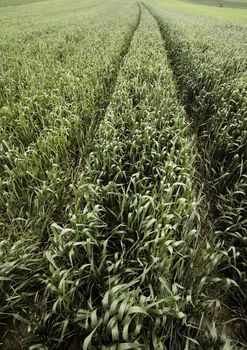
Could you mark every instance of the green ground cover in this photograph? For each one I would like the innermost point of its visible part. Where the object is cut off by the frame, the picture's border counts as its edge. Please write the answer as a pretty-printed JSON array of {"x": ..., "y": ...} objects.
[
  {"x": 232, "y": 11},
  {"x": 226, "y": 3},
  {"x": 123, "y": 183}
]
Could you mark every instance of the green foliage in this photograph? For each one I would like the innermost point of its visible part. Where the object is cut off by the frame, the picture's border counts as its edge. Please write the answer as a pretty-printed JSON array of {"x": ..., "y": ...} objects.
[
  {"x": 210, "y": 67},
  {"x": 134, "y": 228},
  {"x": 53, "y": 116},
  {"x": 102, "y": 240},
  {"x": 233, "y": 10}
]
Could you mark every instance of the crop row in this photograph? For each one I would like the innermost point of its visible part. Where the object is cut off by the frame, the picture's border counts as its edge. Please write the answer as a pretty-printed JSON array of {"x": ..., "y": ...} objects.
[
  {"x": 50, "y": 121},
  {"x": 122, "y": 272},
  {"x": 209, "y": 62},
  {"x": 94, "y": 140},
  {"x": 54, "y": 93}
]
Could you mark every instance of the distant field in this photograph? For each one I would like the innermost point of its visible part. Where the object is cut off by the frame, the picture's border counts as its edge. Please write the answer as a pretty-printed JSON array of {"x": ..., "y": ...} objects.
[
  {"x": 242, "y": 4},
  {"x": 234, "y": 11}
]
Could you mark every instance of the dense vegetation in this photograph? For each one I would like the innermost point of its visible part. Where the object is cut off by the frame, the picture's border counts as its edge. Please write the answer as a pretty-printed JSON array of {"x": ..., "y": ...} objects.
[
  {"x": 123, "y": 178},
  {"x": 210, "y": 67}
]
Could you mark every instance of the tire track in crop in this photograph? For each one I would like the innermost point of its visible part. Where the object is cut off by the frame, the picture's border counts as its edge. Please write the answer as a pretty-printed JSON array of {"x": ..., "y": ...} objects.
[
  {"x": 76, "y": 154},
  {"x": 199, "y": 176},
  {"x": 110, "y": 81},
  {"x": 200, "y": 161},
  {"x": 208, "y": 208},
  {"x": 134, "y": 148},
  {"x": 60, "y": 56},
  {"x": 101, "y": 106},
  {"x": 208, "y": 212}
]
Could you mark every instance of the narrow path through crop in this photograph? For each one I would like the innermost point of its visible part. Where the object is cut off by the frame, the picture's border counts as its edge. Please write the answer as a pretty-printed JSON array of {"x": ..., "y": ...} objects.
[
  {"x": 228, "y": 312},
  {"x": 134, "y": 215},
  {"x": 73, "y": 140},
  {"x": 101, "y": 103},
  {"x": 35, "y": 263},
  {"x": 109, "y": 81}
]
